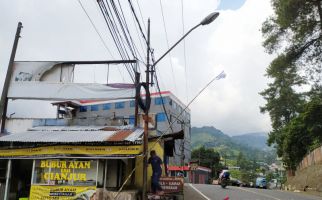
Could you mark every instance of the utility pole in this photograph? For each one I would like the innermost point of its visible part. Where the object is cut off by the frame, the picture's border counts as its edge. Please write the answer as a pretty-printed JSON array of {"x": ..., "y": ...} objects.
[
  {"x": 4, "y": 99},
  {"x": 137, "y": 96},
  {"x": 146, "y": 118}
]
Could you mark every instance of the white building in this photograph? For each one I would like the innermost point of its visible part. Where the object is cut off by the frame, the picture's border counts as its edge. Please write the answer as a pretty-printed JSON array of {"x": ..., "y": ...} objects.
[{"x": 167, "y": 113}]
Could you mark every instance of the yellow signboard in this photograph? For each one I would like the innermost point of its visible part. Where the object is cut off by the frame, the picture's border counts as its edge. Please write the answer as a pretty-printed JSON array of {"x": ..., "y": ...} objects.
[
  {"x": 73, "y": 150},
  {"x": 42, "y": 192},
  {"x": 67, "y": 170}
]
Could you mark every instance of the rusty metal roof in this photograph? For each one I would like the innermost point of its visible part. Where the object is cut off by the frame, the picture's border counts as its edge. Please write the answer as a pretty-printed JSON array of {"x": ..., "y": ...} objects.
[{"x": 74, "y": 135}]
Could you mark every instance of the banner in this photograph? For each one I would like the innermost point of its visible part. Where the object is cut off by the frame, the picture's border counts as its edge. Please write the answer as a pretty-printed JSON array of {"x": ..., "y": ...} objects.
[
  {"x": 42, "y": 192},
  {"x": 54, "y": 81},
  {"x": 65, "y": 150},
  {"x": 171, "y": 184}
]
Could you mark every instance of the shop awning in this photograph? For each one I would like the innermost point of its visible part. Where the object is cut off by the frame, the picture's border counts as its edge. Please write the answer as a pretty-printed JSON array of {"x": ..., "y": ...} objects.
[{"x": 72, "y": 141}]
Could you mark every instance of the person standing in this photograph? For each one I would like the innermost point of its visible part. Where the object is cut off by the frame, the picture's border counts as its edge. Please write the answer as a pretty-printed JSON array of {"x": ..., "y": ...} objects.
[{"x": 156, "y": 164}]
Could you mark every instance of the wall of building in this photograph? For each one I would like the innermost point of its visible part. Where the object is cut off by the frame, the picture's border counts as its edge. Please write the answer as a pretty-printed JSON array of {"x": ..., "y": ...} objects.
[
  {"x": 123, "y": 111},
  {"x": 139, "y": 165},
  {"x": 16, "y": 125}
]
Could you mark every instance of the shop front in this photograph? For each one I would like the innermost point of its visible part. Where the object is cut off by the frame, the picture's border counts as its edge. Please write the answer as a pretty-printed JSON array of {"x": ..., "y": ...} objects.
[{"x": 67, "y": 169}]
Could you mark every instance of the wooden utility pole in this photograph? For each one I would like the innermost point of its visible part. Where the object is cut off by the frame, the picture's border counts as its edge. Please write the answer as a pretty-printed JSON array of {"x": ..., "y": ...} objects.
[
  {"x": 4, "y": 99},
  {"x": 146, "y": 118}
]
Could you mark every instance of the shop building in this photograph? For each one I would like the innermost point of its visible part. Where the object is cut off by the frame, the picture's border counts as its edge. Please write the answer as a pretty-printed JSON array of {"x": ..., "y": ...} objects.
[{"x": 75, "y": 162}]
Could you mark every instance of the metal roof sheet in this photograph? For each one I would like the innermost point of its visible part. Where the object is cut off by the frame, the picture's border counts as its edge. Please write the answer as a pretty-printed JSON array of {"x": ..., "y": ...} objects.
[{"x": 72, "y": 136}]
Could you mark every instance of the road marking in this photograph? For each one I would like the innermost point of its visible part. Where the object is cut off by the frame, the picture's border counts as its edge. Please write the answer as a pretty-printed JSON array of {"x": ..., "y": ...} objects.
[
  {"x": 265, "y": 195},
  {"x": 204, "y": 196}
]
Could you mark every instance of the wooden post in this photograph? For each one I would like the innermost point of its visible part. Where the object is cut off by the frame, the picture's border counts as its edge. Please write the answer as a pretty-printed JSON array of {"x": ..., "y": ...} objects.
[{"x": 4, "y": 99}]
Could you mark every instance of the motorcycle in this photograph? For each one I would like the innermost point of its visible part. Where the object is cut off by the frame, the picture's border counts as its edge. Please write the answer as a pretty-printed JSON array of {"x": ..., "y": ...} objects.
[{"x": 224, "y": 182}]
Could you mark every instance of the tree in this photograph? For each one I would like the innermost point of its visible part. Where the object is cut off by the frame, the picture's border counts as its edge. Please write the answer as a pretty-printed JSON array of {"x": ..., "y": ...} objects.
[
  {"x": 294, "y": 34},
  {"x": 207, "y": 158},
  {"x": 303, "y": 133},
  {"x": 282, "y": 102},
  {"x": 294, "y": 31}
]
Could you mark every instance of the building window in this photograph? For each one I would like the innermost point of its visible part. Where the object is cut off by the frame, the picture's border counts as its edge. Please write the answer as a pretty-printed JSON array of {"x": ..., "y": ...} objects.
[
  {"x": 161, "y": 117},
  {"x": 158, "y": 100},
  {"x": 131, "y": 119},
  {"x": 94, "y": 107},
  {"x": 119, "y": 105},
  {"x": 132, "y": 104},
  {"x": 179, "y": 109},
  {"x": 83, "y": 109},
  {"x": 107, "y": 106},
  {"x": 174, "y": 105}
]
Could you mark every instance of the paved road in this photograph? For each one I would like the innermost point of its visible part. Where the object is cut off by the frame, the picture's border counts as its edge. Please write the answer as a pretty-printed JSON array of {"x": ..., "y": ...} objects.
[{"x": 215, "y": 192}]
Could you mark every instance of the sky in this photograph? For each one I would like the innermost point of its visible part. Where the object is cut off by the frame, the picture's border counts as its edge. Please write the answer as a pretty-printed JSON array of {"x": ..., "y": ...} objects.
[{"x": 60, "y": 30}]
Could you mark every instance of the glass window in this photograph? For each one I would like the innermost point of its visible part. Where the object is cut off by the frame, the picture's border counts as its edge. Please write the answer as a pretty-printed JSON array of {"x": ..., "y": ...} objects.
[
  {"x": 158, "y": 101},
  {"x": 132, "y": 104},
  {"x": 179, "y": 109},
  {"x": 83, "y": 109},
  {"x": 106, "y": 106},
  {"x": 131, "y": 119},
  {"x": 119, "y": 105},
  {"x": 161, "y": 117},
  {"x": 94, "y": 107},
  {"x": 174, "y": 105}
]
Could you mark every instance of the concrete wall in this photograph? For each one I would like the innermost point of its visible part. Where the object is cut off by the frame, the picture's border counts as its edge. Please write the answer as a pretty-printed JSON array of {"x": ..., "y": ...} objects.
[
  {"x": 308, "y": 175},
  {"x": 16, "y": 125},
  {"x": 308, "y": 179}
]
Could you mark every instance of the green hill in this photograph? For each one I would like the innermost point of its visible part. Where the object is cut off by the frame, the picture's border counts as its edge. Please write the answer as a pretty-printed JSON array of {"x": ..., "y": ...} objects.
[
  {"x": 256, "y": 140},
  {"x": 229, "y": 147}
]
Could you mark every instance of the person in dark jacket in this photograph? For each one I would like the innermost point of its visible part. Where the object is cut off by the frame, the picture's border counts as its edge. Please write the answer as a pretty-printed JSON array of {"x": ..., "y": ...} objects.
[{"x": 156, "y": 164}]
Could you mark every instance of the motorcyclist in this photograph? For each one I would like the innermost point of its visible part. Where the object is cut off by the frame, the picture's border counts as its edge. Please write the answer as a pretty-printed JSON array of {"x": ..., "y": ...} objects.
[{"x": 225, "y": 174}]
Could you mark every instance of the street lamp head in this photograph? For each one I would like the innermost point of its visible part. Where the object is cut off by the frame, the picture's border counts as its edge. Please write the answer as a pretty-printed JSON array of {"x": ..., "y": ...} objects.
[{"x": 210, "y": 18}]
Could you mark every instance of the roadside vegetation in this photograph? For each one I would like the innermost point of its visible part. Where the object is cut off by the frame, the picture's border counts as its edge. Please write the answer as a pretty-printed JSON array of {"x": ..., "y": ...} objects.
[{"x": 293, "y": 34}]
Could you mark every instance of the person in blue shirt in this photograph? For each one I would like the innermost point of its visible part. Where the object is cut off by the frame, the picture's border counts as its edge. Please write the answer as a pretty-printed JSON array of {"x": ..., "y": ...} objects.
[{"x": 156, "y": 163}]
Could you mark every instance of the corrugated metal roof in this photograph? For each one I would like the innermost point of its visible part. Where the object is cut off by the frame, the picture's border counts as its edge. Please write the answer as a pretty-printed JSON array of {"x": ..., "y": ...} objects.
[
  {"x": 72, "y": 135},
  {"x": 68, "y": 128}
]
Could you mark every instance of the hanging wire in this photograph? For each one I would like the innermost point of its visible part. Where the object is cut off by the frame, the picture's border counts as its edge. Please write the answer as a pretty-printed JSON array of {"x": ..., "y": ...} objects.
[
  {"x": 98, "y": 9},
  {"x": 115, "y": 33},
  {"x": 166, "y": 36},
  {"x": 184, "y": 52},
  {"x": 96, "y": 30}
]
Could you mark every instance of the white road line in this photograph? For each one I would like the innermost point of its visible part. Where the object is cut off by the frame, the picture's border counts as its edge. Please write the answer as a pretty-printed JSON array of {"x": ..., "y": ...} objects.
[
  {"x": 265, "y": 195},
  {"x": 204, "y": 196}
]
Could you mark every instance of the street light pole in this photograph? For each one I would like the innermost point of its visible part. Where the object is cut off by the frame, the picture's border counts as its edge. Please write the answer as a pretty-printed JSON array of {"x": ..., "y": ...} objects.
[{"x": 210, "y": 18}]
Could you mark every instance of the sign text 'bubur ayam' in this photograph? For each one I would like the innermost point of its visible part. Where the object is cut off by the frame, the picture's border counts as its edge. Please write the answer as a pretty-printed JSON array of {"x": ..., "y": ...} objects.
[{"x": 67, "y": 170}]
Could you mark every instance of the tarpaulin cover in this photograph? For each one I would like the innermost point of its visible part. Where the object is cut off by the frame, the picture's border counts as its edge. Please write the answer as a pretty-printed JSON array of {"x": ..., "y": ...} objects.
[{"x": 53, "y": 81}]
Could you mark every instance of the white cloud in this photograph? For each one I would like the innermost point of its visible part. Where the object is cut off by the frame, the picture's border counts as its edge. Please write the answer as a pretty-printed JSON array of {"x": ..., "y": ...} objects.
[{"x": 59, "y": 30}]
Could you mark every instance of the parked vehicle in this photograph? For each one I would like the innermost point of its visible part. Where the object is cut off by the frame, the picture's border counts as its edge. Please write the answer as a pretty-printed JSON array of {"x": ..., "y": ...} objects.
[{"x": 261, "y": 183}]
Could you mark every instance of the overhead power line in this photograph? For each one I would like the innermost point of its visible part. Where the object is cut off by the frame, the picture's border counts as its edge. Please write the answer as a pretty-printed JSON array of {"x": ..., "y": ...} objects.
[
  {"x": 122, "y": 42},
  {"x": 168, "y": 46},
  {"x": 96, "y": 30},
  {"x": 184, "y": 51}
]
